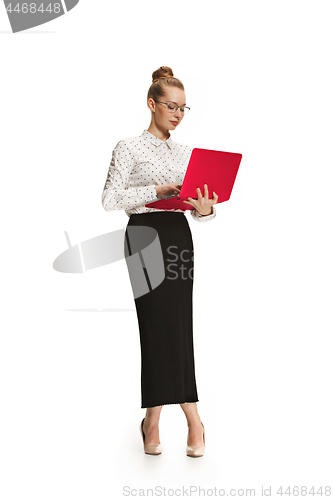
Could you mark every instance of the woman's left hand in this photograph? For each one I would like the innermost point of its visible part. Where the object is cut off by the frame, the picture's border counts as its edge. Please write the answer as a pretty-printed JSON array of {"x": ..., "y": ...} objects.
[{"x": 203, "y": 204}]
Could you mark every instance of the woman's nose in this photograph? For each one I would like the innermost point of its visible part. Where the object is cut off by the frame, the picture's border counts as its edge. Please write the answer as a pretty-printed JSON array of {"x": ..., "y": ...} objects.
[{"x": 178, "y": 113}]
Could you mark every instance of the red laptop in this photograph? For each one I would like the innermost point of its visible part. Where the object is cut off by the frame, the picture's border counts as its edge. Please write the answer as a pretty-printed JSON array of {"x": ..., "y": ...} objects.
[{"x": 217, "y": 169}]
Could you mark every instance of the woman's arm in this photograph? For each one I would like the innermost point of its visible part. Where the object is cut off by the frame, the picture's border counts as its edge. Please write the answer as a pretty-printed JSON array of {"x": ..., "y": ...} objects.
[{"x": 115, "y": 196}]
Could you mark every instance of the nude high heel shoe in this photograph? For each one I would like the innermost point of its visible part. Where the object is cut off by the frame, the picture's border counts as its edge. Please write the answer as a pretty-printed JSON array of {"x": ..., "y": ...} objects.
[
  {"x": 196, "y": 451},
  {"x": 150, "y": 449}
]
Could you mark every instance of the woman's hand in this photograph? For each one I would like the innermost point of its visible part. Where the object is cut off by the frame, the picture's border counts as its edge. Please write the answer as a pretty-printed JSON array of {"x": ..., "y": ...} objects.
[
  {"x": 168, "y": 189},
  {"x": 203, "y": 204}
]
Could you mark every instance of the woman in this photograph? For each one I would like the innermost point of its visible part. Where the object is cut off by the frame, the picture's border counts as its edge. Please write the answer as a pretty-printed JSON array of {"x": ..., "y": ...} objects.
[{"x": 144, "y": 169}]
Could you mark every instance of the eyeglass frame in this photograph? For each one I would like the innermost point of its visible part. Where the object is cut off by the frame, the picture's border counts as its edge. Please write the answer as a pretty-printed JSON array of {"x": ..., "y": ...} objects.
[{"x": 177, "y": 107}]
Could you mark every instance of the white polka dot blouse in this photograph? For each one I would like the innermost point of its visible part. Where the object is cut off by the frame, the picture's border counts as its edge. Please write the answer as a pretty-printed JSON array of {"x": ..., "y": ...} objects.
[{"x": 137, "y": 165}]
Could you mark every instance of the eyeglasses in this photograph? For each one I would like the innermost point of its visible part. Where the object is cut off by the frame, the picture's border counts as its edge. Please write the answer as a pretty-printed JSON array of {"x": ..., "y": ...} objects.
[{"x": 172, "y": 108}]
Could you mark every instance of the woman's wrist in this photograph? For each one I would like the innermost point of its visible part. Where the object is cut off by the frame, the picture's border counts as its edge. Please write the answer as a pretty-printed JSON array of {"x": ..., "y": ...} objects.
[{"x": 205, "y": 215}]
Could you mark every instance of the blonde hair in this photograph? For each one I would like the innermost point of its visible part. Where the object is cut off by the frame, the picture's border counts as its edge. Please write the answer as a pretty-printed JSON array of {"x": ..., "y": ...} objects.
[{"x": 161, "y": 77}]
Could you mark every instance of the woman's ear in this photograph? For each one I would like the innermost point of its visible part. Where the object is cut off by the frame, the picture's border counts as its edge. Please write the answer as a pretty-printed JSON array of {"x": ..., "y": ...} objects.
[{"x": 151, "y": 104}]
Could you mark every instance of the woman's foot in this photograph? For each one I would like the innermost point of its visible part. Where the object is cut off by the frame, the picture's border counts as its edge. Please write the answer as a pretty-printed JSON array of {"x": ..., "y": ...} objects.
[
  {"x": 150, "y": 449},
  {"x": 195, "y": 434},
  {"x": 196, "y": 450},
  {"x": 151, "y": 431}
]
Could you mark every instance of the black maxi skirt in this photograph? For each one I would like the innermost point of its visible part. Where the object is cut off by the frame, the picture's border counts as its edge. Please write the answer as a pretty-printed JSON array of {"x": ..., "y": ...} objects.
[{"x": 160, "y": 260}]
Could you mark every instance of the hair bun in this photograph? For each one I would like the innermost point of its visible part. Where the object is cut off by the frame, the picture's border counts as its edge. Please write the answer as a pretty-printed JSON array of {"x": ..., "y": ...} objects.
[{"x": 162, "y": 72}]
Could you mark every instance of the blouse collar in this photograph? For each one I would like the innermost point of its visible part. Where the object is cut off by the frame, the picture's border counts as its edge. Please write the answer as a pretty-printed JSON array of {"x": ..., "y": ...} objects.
[{"x": 155, "y": 140}]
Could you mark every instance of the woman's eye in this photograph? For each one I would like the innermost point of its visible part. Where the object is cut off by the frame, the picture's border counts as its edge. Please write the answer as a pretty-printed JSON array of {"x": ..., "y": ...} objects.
[{"x": 171, "y": 107}]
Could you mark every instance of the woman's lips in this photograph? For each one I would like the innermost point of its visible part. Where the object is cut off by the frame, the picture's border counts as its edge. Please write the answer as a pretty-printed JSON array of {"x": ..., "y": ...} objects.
[{"x": 173, "y": 122}]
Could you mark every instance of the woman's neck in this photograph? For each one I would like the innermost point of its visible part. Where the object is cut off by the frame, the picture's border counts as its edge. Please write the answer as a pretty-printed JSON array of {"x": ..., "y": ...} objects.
[{"x": 159, "y": 133}]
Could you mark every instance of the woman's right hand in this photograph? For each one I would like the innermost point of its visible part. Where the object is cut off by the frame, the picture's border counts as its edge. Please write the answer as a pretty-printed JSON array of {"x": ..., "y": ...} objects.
[{"x": 168, "y": 189}]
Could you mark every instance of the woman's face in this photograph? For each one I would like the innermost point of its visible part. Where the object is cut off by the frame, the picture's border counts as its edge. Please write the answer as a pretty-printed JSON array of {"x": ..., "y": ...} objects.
[{"x": 165, "y": 119}]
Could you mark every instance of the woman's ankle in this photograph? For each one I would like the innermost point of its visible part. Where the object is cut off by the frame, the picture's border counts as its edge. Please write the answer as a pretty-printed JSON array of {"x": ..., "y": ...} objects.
[{"x": 194, "y": 422}]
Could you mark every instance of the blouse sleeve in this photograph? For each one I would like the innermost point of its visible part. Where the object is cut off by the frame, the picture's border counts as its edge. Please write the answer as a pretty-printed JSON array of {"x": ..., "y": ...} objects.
[
  {"x": 203, "y": 218},
  {"x": 116, "y": 195}
]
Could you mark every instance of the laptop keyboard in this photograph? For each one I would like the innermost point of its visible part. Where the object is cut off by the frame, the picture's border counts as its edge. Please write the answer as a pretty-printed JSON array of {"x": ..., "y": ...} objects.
[{"x": 172, "y": 196}]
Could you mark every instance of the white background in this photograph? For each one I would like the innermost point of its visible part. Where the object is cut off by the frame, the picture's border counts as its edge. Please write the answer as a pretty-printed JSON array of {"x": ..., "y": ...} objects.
[{"x": 258, "y": 80}]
